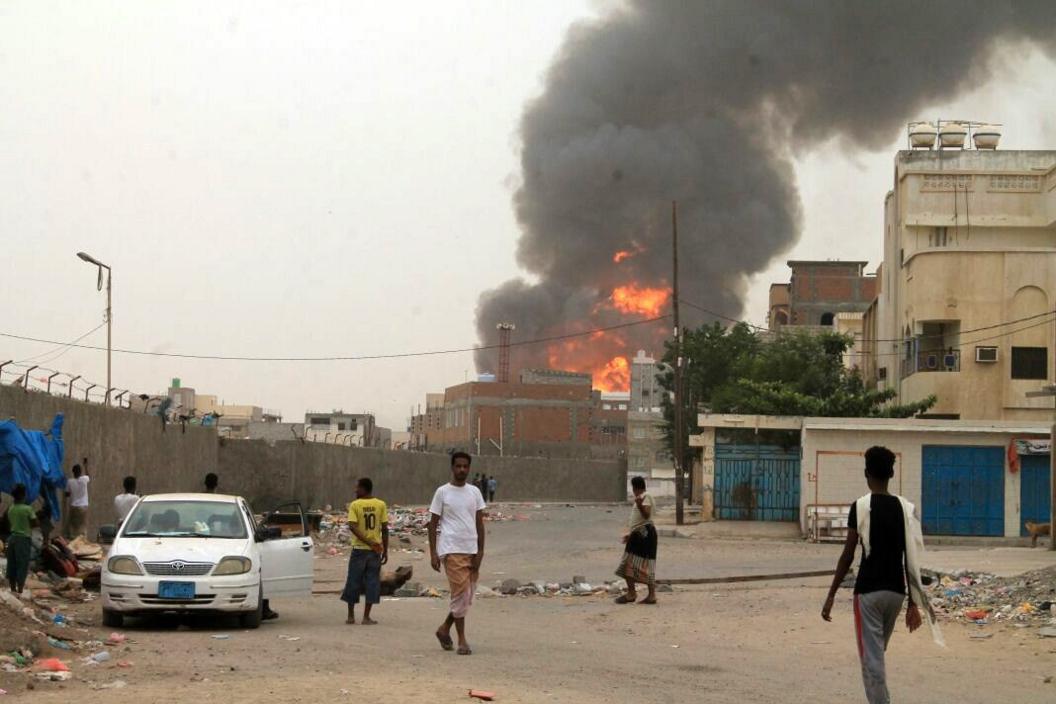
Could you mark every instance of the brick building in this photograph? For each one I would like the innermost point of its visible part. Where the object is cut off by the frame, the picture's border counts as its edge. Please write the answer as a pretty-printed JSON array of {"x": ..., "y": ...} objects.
[
  {"x": 545, "y": 413},
  {"x": 819, "y": 291}
]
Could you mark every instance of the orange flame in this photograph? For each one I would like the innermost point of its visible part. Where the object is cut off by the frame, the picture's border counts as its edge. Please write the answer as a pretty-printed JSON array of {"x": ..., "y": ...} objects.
[
  {"x": 614, "y": 376},
  {"x": 634, "y": 299},
  {"x": 621, "y": 255}
]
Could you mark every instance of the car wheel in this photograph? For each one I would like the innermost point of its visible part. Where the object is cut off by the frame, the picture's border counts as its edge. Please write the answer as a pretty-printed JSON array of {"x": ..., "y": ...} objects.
[
  {"x": 252, "y": 619},
  {"x": 113, "y": 619}
]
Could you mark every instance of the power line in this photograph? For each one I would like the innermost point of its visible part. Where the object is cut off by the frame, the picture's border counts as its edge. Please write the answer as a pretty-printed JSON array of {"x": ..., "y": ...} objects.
[
  {"x": 67, "y": 345},
  {"x": 347, "y": 358},
  {"x": 898, "y": 340},
  {"x": 963, "y": 343}
]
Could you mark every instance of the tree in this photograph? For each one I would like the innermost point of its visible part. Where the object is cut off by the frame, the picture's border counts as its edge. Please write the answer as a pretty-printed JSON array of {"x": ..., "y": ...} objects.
[{"x": 792, "y": 373}]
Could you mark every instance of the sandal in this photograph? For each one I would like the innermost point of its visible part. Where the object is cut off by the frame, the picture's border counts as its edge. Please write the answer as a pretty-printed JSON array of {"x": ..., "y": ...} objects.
[
  {"x": 464, "y": 650},
  {"x": 626, "y": 599},
  {"x": 445, "y": 641},
  {"x": 647, "y": 600}
]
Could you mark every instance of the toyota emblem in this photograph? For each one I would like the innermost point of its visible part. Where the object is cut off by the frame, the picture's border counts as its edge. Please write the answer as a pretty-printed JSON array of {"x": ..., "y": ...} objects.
[{"x": 177, "y": 565}]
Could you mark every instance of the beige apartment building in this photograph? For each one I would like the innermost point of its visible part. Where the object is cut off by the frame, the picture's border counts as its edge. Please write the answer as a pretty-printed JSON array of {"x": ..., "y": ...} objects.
[{"x": 967, "y": 282}]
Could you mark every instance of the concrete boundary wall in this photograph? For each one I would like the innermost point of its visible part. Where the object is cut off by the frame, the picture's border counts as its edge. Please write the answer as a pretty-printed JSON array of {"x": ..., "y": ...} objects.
[
  {"x": 119, "y": 442},
  {"x": 316, "y": 474}
]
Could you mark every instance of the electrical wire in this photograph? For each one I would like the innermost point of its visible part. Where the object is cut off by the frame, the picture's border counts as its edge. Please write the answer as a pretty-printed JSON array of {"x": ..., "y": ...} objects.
[
  {"x": 65, "y": 347},
  {"x": 348, "y": 358},
  {"x": 899, "y": 340},
  {"x": 963, "y": 343}
]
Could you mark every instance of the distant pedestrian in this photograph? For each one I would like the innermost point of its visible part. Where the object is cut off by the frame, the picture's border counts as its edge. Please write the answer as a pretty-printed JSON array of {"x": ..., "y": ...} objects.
[
  {"x": 19, "y": 543},
  {"x": 368, "y": 519},
  {"x": 211, "y": 483},
  {"x": 493, "y": 484},
  {"x": 77, "y": 492},
  {"x": 458, "y": 517},
  {"x": 45, "y": 514},
  {"x": 124, "y": 503},
  {"x": 638, "y": 565},
  {"x": 892, "y": 546}
]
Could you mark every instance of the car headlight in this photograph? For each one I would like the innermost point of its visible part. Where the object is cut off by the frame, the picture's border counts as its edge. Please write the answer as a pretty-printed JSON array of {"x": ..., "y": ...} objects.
[
  {"x": 233, "y": 565},
  {"x": 123, "y": 564}
]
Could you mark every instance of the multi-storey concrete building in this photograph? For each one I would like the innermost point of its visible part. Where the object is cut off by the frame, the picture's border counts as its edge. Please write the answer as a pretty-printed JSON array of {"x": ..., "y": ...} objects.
[
  {"x": 340, "y": 428},
  {"x": 427, "y": 423},
  {"x": 647, "y": 450},
  {"x": 545, "y": 413},
  {"x": 968, "y": 283},
  {"x": 819, "y": 291}
]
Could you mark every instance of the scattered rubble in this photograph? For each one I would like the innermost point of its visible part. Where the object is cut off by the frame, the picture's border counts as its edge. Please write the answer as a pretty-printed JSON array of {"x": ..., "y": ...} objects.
[{"x": 1024, "y": 600}]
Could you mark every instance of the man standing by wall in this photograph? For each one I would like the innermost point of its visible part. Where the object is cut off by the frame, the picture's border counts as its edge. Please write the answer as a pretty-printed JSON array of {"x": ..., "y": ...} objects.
[
  {"x": 123, "y": 503},
  {"x": 458, "y": 515},
  {"x": 211, "y": 483},
  {"x": 368, "y": 519},
  {"x": 493, "y": 484},
  {"x": 77, "y": 493}
]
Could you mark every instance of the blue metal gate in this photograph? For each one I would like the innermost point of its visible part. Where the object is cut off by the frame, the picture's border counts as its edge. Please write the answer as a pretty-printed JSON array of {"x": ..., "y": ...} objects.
[
  {"x": 963, "y": 490},
  {"x": 757, "y": 483},
  {"x": 1035, "y": 493}
]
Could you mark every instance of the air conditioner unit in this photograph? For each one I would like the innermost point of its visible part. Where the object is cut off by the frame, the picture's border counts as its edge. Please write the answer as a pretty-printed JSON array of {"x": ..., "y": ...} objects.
[
  {"x": 986, "y": 354},
  {"x": 931, "y": 361}
]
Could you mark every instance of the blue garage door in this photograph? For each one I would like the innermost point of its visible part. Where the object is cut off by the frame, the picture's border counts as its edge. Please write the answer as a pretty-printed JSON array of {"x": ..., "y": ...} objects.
[
  {"x": 963, "y": 490},
  {"x": 756, "y": 483},
  {"x": 1035, "y": 493}
]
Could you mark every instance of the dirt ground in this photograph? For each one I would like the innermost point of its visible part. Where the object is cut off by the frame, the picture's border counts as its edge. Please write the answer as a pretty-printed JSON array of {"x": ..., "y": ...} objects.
[{"x": 757, "y": 642}]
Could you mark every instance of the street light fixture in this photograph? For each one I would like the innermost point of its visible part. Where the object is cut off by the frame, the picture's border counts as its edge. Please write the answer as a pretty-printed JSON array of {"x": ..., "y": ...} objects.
[{"x": 109, "y": 312}]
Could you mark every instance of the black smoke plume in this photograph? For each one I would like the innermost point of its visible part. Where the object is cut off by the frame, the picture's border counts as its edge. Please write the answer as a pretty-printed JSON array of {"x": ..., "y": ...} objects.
[{"x": 706, "y": 102}]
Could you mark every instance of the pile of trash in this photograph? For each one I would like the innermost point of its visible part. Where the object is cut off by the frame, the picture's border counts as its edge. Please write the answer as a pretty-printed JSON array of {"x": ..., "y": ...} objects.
[
  {"x": 983, "y": 598},
  {"x": 409, "y": 521},
  {"x": 579, "y": 586},
  {"x": 500, "y": 517},
  {"x": 41, "y": 642},
  {"x": 405, "y": 523}
]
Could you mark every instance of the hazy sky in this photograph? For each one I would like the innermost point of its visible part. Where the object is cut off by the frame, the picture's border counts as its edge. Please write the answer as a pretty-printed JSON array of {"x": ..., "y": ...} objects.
[{"x": 310, "y": 178}]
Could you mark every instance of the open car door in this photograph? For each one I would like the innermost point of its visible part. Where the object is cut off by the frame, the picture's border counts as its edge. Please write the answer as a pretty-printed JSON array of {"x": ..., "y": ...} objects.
[{"x": 286, "y": 555}]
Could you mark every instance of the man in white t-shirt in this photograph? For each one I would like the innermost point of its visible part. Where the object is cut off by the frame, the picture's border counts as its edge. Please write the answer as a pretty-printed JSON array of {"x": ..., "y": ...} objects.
[
  {"x": 458, "y": 517},
  {"x": 123, "y": 503},
  {"x": 77, "y": 493}
]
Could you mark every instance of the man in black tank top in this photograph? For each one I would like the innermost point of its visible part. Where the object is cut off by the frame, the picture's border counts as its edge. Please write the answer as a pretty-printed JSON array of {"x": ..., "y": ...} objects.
[{"x": 880, "y": 588}]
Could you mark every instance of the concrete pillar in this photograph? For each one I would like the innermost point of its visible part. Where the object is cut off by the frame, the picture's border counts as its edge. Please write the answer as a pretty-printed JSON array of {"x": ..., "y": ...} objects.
[{"x": 704, "y": 484}]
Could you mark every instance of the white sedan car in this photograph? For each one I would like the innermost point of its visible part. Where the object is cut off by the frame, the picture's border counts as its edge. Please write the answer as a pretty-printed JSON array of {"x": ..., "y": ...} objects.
[{"x": 189, "y": 553}]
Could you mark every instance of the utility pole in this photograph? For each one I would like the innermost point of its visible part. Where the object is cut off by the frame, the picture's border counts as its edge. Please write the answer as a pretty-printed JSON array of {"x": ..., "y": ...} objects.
[{"x": 679, "y": 488}]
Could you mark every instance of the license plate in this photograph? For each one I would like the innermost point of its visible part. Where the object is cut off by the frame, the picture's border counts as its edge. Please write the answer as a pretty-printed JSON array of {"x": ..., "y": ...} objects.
[{"x": 175, "y": 590}]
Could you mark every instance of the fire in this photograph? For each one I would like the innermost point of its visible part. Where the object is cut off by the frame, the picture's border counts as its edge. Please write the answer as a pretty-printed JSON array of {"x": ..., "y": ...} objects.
[
  {"x": 639, "y": 299},
  {"x": 590, "y": 355},
  {"x": 621, "y": 255},
  {"x": 614, "y": 376}
]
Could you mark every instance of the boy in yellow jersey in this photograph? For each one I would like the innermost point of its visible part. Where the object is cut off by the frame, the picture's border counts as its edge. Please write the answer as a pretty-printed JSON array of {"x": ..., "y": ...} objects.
[{"x": 368, "y": 519}]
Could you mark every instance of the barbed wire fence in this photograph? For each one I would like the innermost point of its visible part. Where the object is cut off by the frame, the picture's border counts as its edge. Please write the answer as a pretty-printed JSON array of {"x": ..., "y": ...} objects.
[{"x": 39, "y": 379}]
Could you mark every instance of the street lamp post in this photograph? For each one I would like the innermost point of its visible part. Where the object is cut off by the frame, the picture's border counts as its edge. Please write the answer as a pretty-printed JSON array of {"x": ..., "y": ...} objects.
[{"x": 109, "y": 313}]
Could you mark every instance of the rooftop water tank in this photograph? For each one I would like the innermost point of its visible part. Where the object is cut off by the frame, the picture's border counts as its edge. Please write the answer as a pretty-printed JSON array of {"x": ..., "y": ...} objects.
[
  {"x": 922, "y": 135},
  {"x": 487, "y": 378},
  {"x": 986, "y": 136},
  {"x": 952, "y": 134}
]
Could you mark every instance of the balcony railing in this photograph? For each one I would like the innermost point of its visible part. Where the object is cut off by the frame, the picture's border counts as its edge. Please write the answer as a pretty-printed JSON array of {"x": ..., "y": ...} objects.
[{"x": 948, "y": 360}]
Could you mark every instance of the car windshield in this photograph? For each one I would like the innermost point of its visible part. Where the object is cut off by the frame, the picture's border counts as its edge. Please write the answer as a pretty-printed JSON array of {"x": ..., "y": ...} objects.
[{"x": 185, "y": 519}]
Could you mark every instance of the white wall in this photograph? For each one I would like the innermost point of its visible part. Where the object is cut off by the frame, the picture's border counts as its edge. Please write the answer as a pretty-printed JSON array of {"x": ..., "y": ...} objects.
[{"x": 839, "y": 478}]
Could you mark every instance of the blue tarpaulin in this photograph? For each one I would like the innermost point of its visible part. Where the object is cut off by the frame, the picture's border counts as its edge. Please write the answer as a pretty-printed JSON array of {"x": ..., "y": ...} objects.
[{"x": 33, "y": 458}]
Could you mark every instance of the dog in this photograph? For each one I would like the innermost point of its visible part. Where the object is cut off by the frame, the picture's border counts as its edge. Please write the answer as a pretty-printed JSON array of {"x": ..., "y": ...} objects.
[{"x": 1036, "y": 530}]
